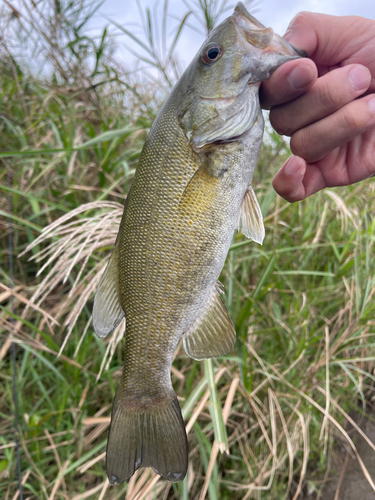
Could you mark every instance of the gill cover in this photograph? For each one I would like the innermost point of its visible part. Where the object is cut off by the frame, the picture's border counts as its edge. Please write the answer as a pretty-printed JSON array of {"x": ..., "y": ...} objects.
[{"x": 208, "y": 121}]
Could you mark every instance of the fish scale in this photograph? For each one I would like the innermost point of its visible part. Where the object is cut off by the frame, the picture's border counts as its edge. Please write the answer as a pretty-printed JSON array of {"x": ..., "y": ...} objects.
[{"x": 191, "y": 190}]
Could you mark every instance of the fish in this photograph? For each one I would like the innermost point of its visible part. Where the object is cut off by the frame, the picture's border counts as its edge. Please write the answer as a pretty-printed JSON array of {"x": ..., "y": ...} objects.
[{"x": 192, "y": 189}]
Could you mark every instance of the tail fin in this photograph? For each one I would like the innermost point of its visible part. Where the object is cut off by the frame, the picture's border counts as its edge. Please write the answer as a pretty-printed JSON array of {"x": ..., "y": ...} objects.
[{"x": 152, "y": 437}]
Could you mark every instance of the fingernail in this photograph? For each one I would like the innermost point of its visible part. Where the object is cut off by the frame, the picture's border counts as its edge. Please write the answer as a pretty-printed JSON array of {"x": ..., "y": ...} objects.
[
  {"x": 300, "y": 77},
  {"x": 360, "y": 78},
  {"x": 292, "y": 166},
  {"x": 371, "y": 105}
]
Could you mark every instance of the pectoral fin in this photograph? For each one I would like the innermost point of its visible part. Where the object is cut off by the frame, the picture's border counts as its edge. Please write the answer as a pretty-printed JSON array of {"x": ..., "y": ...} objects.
[
  {"x": 107, "y": 311},
  {"x": 213, "y": 333},
  {"x": 251, "y": 219}
]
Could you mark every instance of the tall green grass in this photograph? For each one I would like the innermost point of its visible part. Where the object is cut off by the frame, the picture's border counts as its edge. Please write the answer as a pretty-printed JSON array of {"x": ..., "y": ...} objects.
[{"x": 262, "y": 420}]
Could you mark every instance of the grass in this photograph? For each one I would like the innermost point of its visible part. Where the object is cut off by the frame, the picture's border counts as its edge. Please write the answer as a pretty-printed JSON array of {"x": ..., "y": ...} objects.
[{"x": 302, "y": 303}]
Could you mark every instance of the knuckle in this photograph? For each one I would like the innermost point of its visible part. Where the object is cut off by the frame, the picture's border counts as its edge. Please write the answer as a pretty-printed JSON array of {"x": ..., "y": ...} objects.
[
  {"x": 293, "y": 198},
  {"x": 300, "y": 18},
  {"x": 328, "y": 96},
  {"x": 266, "y": 94},
  {"x": 286, "y": 192},
  {"x": 280, "y": 122},
  {"x": 299, "y": 143},
  {"x": 280, "y": 187},
  {"x": 350, "y": 120}
]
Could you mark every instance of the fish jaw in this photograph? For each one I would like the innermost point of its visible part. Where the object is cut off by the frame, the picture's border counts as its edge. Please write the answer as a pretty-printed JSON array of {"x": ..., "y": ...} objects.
[
  {"x": 262, "y": 36},
  {"x": 266, "y": 48}
]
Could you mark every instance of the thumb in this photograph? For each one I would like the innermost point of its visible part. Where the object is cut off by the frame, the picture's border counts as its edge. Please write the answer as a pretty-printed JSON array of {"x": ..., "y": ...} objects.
[
  {"x": 328, "y": 40},
  {"x": 302, "y": 32}
]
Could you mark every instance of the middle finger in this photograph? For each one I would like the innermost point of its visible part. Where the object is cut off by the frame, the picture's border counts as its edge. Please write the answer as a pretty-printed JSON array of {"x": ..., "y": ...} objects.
[{"x": 329, "y": 93}]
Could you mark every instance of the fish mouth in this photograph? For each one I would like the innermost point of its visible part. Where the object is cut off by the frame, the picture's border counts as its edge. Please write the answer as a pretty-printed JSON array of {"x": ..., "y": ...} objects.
[
  {"x": 300, "y": 52},
  {"x": 250, "y": 28},
  {"x": 241, "y": 14},
  {"x": 261, "y": 37}
]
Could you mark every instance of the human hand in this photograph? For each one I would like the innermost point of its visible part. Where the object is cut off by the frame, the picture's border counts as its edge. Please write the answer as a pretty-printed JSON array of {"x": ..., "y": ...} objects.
[{"x": 330, "y": 119}]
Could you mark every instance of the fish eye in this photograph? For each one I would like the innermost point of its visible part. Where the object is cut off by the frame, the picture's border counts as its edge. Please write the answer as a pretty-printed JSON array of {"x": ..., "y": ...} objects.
[{"x": 212, "y": 53}]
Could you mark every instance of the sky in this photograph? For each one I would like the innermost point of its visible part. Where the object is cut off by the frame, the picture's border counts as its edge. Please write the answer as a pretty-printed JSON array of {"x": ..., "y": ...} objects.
[{"x": 274, "y": 13}]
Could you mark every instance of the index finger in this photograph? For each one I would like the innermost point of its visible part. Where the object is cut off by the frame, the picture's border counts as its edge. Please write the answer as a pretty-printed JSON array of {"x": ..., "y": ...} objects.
[{"x": 291, "y": 80}]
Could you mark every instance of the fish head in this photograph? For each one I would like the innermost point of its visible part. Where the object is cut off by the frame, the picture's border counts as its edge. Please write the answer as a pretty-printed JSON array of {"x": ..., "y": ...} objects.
[
  {"x": 263, "y": 51},
  {"x": 220, "y": 86}
]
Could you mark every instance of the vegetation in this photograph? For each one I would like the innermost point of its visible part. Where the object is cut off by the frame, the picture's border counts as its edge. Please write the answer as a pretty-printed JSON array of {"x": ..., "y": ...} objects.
[{"x": 262, "y": 420}]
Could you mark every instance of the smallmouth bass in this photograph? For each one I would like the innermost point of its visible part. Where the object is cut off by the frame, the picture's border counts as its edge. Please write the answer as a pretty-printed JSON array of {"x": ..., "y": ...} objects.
[{"x": 191, "y": 190}]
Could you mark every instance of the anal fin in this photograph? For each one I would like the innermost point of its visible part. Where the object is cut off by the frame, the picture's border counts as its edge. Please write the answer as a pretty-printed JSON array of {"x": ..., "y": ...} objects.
[
  {"x": 107, "y": 312},
  {"x": 251, "y": 219},
  {"x": 213, "y": 334}
]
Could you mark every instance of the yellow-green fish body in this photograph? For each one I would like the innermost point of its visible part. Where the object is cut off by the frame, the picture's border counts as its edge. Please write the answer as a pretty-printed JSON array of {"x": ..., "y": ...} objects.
[{"x": 192, "y": 189}]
